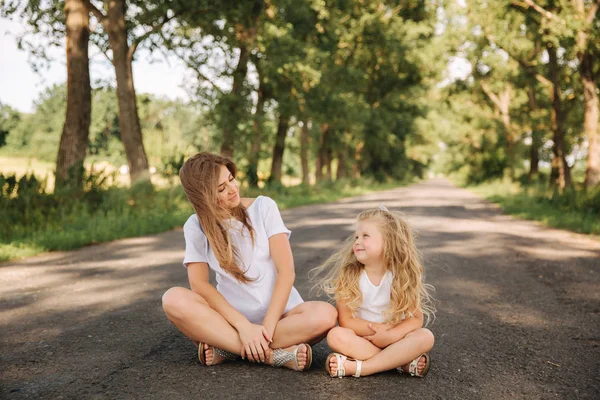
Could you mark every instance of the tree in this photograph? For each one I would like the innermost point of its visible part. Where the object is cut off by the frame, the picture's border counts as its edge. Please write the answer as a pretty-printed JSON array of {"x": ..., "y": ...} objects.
[
  {"x": 9, "y": 120},
  {"x": 74, "y": 138},
  {"x": 114, "y": 20}
]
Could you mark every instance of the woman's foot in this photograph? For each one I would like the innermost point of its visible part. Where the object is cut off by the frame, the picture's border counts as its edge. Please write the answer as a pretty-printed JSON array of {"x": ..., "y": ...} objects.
[
  {"x": 301, "y": 361},
  {"x": 211, "y": 357},
  {"x": 422, "y": 363}
]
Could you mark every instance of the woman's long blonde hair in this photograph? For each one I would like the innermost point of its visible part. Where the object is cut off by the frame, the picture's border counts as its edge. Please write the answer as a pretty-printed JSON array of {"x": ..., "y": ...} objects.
[
  {"x": 400, "y": 256},
  {"x": 200, "y": 177}
]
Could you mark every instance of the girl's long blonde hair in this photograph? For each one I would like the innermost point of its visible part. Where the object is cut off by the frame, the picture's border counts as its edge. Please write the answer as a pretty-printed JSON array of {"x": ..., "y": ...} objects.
[
  {"x": 400, "y": 256},
  {"x": 200, "y": 177}
]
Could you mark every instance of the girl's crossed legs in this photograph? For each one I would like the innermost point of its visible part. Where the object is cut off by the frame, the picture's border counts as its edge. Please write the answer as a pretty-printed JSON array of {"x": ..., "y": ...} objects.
[
  {"x": 308, "y": 322},
  {"x": 399, "y": 354}
]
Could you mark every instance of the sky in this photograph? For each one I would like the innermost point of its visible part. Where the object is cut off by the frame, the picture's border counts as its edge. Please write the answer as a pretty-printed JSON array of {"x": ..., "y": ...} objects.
[{"x": 20, "y": 86}]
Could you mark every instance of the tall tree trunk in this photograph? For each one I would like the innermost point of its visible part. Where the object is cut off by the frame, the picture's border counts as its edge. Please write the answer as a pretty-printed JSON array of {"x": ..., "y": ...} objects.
[
  {"x": 246, "y": 36},
  {"x": 328, "y": 163},
  {"x": 342, "y": 168},
  {"x": 74, "y": 138},
  {"x": 502, "y": 105},
  {"x": 355, "y": 172},
  {"x": 234, "y": 104},
  {"x": 534, "y": 156},
  {"x": 322, "y": 152},
  {"x": 129, "y": 122},
  {"x": 590, "y": 123},
  {"x": 278, "y": 149},
  {"x": 257, "y": 127},
  {"x": 304, "y": 143},
  {"x": 561, "y": 173},
  {"x": 590, "y": 94}
]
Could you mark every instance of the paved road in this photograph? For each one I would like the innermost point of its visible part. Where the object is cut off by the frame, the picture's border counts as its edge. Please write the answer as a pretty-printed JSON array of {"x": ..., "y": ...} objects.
[{"x": 518, "y": 313}]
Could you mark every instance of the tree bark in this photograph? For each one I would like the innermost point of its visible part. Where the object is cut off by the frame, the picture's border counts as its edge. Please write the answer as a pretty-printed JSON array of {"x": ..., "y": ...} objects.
[
  {"x": 534, "y": 156},
  {"x": 502, "y": 104},
  {"x": 590, "y": 94},
  {"x": 342, "y": 168},
  {"x": 322, "y": 152},
  {"x": 590, "y": 123},
  {"x": 328, "y": 162},
  {"x": 257, "y": 127},
  {"x": 304, "y": 143},
  {"x": 561, "y": 173},
  {"x": 355, "y": 171},
  {"x": 246, "y": 36},
  {"x": 76, "y": 129},
  {"x": 278, "y": 149},
  {"x": 129, "y": 123},
  {"x": 234, "y": 103}
]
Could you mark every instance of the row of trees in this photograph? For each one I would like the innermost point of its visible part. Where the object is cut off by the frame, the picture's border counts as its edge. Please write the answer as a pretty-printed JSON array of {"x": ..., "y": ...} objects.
[
  {"x": 536, "y": 73},
  {"x": 358, "y": 79},
  {"x": 352, "y": 69},
  {"x": 171, "y": 127}
]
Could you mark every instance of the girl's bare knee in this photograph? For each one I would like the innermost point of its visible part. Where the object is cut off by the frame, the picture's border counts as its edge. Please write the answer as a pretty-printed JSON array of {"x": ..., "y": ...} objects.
[
  {"x": 426, "y": 339},
  {"x": 338, "y": 338}
]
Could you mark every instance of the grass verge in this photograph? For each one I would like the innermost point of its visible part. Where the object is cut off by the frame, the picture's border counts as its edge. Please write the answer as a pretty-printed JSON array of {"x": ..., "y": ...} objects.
[
  {"x": 576, "y": 210},
  {"x": 45, "y": 224}
]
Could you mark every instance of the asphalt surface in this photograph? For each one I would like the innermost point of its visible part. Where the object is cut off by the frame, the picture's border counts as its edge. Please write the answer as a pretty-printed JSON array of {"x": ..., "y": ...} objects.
[{"x": 518, "y": 313}]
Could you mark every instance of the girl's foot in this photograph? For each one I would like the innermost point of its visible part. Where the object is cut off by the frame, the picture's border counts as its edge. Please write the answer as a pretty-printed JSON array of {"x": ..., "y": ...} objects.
[
  {"x": 349, "y": 366},
  {"x": 301, "y": 361},
  {"x": 420, "y": 366}
]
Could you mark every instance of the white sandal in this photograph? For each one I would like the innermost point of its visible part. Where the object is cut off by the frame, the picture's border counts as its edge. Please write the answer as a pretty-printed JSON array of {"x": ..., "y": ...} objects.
[
  {"x": 341, "y": 371},
  {"x": 412, "y": 368}
]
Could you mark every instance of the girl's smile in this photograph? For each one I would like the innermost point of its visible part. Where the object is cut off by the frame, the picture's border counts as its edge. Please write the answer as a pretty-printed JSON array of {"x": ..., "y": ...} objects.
[{"x": 368, "y": 243}]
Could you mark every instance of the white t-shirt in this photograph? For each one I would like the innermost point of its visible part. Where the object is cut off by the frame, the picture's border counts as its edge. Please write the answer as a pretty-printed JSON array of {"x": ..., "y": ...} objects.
[
  {"x": 251, "y": 299},
  {"x": 375, "y": 299}
]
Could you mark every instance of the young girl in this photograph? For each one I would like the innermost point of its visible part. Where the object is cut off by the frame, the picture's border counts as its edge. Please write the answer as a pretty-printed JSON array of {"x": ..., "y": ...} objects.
[
  {"x": 254, "y": 311},
  {"x": 377, "y": 282}
]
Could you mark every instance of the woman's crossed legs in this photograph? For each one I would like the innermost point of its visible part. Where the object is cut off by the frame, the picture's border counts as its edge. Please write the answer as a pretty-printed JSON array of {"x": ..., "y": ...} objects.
[{"x": 308, "y": 322}]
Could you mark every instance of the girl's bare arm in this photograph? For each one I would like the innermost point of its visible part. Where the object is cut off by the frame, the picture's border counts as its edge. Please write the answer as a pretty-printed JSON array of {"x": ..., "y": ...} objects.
[{"x": 358, "y": 325}]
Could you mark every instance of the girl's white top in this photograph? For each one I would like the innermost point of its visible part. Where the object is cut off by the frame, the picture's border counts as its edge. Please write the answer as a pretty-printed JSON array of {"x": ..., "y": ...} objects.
[
  {"x": 251, "y": 299},
  {"x": 375, "y": 299}
]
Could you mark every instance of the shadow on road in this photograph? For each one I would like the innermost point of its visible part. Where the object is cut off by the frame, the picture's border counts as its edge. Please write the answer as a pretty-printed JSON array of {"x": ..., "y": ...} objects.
[{"x": 518, "y": 311}]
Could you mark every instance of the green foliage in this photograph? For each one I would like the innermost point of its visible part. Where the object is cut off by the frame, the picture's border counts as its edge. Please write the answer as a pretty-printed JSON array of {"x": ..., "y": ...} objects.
[
  {"x": 9, "y": 119},
  {"x": 37, "y": 221},
  {"x": 576, "y": 209}
]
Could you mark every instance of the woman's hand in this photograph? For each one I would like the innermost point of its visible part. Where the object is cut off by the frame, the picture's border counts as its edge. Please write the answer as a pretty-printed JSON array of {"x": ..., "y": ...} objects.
[
  {"x": 255, "y": 342},
  {"x": 381, "y": 336}
]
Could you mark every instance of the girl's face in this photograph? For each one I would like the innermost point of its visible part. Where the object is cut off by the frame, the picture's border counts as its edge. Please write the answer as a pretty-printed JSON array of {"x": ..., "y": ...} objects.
[
  {"x": 368, "y": 243},
  {"x": 228, "y": 194}
]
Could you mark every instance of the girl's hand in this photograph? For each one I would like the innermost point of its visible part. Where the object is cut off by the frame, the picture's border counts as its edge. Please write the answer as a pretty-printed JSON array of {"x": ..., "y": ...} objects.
[
  {"x": 255, "y": 342},
  {"x": 381, "y": 337}
]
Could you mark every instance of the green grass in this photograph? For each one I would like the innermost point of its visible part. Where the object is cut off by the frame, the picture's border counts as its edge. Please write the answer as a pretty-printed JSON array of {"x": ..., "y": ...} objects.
[
  {"x": 574, "y": 210},
  {"x": 47, "y": 222}
]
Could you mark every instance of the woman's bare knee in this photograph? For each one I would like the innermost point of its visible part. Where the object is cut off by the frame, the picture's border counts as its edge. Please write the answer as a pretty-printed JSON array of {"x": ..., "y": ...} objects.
[
  {"x": 174, "y": 301},
  {"x": 323, "y": 317}
]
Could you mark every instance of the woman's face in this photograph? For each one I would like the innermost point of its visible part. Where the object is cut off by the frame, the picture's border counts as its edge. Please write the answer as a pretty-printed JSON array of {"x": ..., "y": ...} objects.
[{"x": 228, "y": 195}]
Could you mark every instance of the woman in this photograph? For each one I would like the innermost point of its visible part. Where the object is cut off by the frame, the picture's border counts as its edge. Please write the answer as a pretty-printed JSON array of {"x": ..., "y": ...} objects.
[{"x": 254, "y": 312}]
